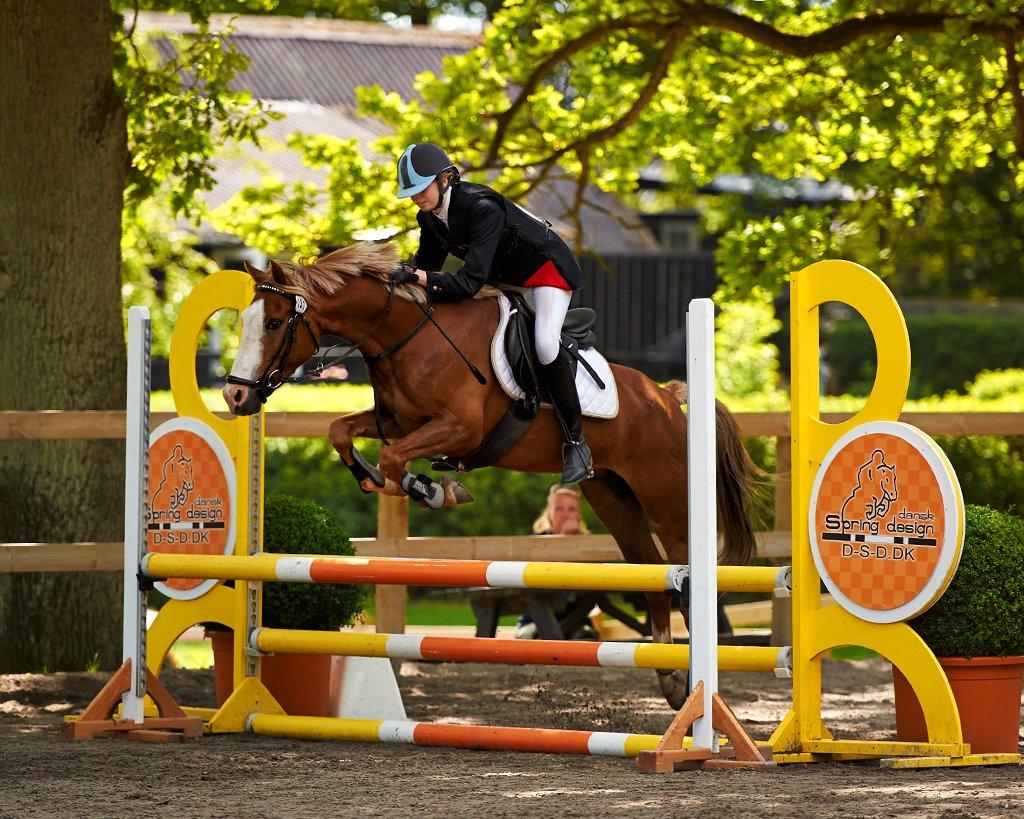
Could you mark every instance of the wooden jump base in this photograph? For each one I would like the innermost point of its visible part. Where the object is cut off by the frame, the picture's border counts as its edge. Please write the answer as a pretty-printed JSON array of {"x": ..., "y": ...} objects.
[
  {"x": 498, "y": 574},
  {"x": 512, "y": 652}
]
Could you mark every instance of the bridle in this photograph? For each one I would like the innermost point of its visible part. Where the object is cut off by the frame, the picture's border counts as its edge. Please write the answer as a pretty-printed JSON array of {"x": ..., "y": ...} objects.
[{"x": 271, "y": 378}]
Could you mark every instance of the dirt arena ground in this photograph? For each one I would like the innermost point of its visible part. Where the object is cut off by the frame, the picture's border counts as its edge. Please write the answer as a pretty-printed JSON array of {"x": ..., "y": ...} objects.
[{"x": 40, "y": 775}]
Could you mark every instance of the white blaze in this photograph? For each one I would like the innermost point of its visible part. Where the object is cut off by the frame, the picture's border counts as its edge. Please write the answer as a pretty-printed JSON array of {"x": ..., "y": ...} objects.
[{"x": 247, "y": 361}]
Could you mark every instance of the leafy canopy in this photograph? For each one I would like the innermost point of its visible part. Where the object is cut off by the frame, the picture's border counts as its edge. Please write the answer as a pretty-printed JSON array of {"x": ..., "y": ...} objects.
[{"x": 902, "y": 105}]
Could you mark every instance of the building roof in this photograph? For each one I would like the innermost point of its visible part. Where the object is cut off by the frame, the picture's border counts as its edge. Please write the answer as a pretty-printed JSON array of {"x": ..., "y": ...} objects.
[
  {"x": 324, "y": 61},
  {"x": 308, "y": 70}
]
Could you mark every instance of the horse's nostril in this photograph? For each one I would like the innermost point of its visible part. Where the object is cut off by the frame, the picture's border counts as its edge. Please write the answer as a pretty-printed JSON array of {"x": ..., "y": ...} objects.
[{"x": 238, "y": 396}]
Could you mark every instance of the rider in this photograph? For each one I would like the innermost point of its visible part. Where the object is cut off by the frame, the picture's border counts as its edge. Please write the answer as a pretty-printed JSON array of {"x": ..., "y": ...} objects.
[{"x": 499, "y": 244}]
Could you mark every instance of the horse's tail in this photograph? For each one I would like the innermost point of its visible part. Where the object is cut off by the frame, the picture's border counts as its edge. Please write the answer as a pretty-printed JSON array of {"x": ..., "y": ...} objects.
[{"x": 738, "y": 476}]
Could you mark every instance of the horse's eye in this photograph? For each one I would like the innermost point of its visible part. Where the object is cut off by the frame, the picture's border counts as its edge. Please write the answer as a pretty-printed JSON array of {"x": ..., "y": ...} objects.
[{"x": 273, "y": 324}]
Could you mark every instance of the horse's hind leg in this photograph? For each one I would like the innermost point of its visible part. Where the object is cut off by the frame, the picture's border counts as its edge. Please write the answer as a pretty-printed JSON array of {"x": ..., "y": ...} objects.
[{"x": 618, "y": 507}]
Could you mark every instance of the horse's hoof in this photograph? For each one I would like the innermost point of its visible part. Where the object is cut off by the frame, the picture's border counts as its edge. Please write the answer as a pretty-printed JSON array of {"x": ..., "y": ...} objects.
[
  {"x": 675, "y": 688},
  {"x": 454, "y": 492}
]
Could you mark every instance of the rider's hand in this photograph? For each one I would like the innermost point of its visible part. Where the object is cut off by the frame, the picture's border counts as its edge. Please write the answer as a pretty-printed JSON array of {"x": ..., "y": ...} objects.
[{"x": 407, "y": 274}]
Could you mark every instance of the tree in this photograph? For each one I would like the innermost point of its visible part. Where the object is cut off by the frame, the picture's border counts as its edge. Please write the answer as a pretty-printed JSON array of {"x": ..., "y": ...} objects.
[
  {"x": 91, "y": 123},
  {"x": 903, "y": 102}
]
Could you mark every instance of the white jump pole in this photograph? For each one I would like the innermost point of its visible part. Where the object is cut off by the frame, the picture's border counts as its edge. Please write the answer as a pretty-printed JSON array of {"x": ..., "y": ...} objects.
[
  {"x": 136, "y": 473},
  {"x": 700, "y": 402}
]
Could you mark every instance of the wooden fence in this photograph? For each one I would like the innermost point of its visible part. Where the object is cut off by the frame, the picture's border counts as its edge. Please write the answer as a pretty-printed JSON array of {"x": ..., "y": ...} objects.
[{"x": 392, "y": 539}]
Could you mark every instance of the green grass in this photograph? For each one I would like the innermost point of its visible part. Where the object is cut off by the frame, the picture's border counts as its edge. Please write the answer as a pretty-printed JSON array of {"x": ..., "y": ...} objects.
[
  {"x": 192, "y": 654},
  {"x": 426, "y": 612},
  {"x": 853, "y": 653}
]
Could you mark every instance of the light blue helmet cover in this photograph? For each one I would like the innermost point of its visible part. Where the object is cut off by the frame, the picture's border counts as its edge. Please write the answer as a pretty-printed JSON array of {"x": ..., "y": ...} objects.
[{"x": 430, "y": 158}]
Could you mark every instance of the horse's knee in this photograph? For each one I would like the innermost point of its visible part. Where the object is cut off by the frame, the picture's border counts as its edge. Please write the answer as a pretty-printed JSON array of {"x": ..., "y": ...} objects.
[{"x": 340, "y": 435}]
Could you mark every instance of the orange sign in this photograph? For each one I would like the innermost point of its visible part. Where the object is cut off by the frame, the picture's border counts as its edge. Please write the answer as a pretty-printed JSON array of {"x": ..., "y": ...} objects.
[
  {"x": 191, "y": 496},
  {"x": 886, "y": 518}
]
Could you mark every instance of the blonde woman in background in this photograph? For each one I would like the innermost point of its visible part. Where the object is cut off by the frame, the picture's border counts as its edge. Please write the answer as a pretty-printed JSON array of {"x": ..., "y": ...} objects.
[{"x": 562, "y": 514}]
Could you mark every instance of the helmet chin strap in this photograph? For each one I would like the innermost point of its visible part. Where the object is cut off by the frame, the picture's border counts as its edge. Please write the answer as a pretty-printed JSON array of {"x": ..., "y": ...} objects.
[{"x": 445, "y": 180}]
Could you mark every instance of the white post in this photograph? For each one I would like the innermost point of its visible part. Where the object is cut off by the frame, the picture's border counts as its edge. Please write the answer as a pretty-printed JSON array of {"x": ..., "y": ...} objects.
[
  {"x": 136, "y": 466},
  {"x": 700, "y": 402}
]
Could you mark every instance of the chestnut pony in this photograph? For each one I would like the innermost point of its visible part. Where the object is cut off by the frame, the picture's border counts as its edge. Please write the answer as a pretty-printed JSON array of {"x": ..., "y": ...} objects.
[{"x": 431, "y": 403}]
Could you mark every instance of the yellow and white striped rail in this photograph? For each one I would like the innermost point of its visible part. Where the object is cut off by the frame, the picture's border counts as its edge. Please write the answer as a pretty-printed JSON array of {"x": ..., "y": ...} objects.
[{"x": 417, "y": 572}]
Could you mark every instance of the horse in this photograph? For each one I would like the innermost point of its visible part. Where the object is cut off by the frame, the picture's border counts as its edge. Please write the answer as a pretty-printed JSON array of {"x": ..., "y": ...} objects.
[{"x": 429, "y": 402}]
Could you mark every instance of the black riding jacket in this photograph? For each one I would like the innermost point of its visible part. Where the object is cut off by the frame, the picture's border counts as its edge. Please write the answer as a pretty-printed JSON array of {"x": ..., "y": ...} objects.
[{"x": 498, "y": 242}]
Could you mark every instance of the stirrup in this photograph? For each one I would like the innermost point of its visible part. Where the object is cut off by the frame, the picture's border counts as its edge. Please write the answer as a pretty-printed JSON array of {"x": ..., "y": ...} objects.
[{"x": 582, "y": 470}]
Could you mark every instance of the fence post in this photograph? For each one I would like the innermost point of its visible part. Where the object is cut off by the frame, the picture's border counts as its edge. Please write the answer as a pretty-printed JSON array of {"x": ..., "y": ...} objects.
[
  {"x": 392, "y": 522},
  {"x": 782, "y": 607}
]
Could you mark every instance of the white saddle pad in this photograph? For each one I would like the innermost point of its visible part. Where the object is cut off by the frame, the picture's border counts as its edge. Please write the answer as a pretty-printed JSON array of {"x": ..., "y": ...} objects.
[{"x": 595, "y": 402}]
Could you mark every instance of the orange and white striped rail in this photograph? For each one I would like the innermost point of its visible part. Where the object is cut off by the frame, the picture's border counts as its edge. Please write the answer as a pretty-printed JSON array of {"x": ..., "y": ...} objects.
[
  {"x": 514, "y": 652},
  {"x": 472, "y": 737},
  {"x": 419, "y": 572}
]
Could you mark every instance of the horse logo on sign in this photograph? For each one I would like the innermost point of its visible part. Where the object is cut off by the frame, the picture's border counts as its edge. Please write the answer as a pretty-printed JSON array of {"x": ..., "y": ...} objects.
[
  {"x": 176, "y": 481},
  {"x": 874, "y": 494}
]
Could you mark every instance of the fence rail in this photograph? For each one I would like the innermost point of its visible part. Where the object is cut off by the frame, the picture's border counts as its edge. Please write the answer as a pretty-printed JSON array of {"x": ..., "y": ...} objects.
[{"x": 17, "y": 425}]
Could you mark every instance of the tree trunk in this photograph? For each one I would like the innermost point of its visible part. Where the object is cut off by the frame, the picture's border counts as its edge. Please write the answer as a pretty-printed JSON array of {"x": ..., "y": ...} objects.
[{"x": 63, "y": 156}]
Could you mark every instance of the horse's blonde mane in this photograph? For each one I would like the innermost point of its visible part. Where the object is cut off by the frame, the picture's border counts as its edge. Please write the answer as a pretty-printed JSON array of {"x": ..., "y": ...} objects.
[{"x": 318, "y": 278}]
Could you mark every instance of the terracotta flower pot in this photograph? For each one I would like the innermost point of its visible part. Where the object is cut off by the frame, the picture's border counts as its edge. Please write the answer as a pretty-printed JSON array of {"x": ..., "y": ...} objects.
[
  {"x": 987, "y": 692},
  {"x": 303, "y": 684}
]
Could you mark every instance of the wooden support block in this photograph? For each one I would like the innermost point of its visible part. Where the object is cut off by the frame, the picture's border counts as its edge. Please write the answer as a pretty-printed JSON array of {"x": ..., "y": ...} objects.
[
  {"x": 670, "y": 754},
  {"x": 97, "y": 718}
]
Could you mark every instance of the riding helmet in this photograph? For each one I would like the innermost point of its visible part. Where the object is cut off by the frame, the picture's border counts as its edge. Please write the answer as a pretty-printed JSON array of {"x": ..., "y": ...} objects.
[{"x": 419, "y": 166}]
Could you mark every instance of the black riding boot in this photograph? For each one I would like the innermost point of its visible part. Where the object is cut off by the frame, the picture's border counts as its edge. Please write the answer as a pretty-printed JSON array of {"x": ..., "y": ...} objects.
[{"x": 561, "y": 386}]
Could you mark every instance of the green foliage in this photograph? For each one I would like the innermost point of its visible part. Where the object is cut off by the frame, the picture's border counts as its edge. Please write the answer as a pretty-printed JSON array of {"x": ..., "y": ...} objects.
[
  {"x": 982, "y": 612},
  {"x": 947, "y": 351},
  {"x": 298, "y": 526},
  {"x": 744, "y": 363},
  {"x": 992, "y": 384},
  {"x": 910, "y": 120},
  {"x": 990, "y": 469},
  {"x": 357, "y": 199},
  {"x": 151, "y": 244},
  {"x": 180, "y": 111}
]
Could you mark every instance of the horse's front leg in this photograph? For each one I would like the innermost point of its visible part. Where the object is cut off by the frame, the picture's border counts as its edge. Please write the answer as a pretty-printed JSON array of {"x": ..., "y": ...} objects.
[
  {"x": 362, "y": 424},
  {"x": 443, "y": 432}
]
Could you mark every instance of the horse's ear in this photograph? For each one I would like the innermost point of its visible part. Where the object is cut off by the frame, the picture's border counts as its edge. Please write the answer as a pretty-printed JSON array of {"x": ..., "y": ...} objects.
[
  {"x": 277, "y": 273},
  {"x": 255, "y": 272}
]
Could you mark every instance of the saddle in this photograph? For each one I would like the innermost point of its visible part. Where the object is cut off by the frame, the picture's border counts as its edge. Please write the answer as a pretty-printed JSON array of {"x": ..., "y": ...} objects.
[{"x": 577, "y": 334}]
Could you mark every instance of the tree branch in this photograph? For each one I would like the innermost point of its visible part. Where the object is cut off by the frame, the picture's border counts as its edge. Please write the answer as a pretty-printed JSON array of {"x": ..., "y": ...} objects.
[
  {"x": 590, "y": 38},
  {"x": 1013, "y": 86},
  {"x": 841, "y": 34}
]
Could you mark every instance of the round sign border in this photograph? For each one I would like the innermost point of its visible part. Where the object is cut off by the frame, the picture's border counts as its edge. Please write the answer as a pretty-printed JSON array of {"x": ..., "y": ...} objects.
[
  {"x": 204, "y": 431},
  {"x": 953, "y": 509}
]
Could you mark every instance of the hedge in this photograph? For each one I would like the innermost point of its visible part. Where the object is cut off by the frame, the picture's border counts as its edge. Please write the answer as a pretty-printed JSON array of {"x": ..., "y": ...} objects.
[{"x": 947, "y": 352}]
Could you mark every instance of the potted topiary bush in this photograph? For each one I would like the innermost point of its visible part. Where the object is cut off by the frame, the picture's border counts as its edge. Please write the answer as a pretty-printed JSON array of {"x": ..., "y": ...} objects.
[
  {"x": 301, "y": 683},
  {"x": 976, "y": 629}
]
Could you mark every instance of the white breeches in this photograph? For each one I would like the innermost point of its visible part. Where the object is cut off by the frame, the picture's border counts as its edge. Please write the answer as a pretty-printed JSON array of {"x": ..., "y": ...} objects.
[{"x": 551, "y": 305}]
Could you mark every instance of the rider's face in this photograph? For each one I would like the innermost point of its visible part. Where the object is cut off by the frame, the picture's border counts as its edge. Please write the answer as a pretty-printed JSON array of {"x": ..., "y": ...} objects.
[{"x": 428, "y": 198}]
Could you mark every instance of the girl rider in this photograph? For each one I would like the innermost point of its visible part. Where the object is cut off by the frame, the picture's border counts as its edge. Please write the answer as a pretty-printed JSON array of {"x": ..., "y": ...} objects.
[{"x": 499, "y": 243}]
